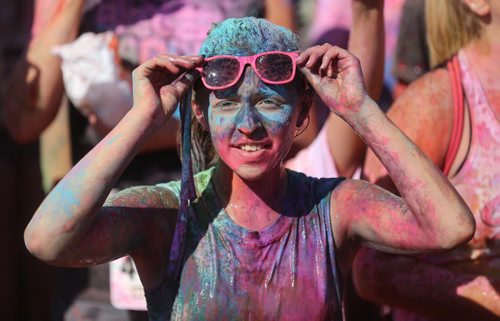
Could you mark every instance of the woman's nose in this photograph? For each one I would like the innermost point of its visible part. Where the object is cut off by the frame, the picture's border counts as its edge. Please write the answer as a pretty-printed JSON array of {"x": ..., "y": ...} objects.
[{"x": 248, "y": 122}]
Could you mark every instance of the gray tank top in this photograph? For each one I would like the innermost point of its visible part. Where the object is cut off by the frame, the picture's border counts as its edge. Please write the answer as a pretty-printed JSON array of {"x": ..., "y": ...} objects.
[{"x": 288, "y": 271}]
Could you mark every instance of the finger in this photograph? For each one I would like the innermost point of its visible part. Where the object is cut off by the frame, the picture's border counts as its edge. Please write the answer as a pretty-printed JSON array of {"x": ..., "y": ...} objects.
[
  {"x": 306, "y": 54},
  {"x": 331, "y": 71},
  {"x": 345, "y": 59},
  {"x": 313, "y": 59},
  {"x": 143, "y": 69},
  {"x": 328, "y": 60},
  {"x": 154, "y": 65},
  {"x": 186, "y": 62},
  {"x": 177, "y": 88},
  {"x": 185, "y": 82},
  {"x": 313, "y": 79}
]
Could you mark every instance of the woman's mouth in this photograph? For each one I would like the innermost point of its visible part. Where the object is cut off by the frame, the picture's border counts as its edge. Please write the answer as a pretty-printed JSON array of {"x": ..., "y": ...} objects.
[{"x": 251, "y": 148}]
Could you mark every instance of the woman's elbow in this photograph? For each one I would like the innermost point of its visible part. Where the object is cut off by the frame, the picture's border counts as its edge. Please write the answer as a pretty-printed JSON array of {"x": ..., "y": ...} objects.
[
  {"x": 461, "y": 232},
  {"x": 38, "y": 245}
]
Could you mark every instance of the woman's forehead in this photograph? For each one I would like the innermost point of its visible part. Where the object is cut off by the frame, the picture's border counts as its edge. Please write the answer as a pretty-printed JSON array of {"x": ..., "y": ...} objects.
[{"x": 250, "y": 85}]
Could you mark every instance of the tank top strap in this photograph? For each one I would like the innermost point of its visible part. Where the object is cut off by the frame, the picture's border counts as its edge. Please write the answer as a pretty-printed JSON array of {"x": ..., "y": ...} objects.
[
  {"x": 480, "y": 108},
  {"x": 324, "y": 212},
  {"x": 453, "y": 67}
]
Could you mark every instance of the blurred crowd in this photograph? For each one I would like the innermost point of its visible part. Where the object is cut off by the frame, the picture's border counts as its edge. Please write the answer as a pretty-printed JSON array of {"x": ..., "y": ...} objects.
[{"x": 65, "y": 68}]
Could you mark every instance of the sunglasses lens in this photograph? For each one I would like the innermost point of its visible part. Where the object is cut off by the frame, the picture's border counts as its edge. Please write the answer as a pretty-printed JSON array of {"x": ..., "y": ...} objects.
[
  {"x": 275, "y": 67},
  {"x": 220, "y": 72}
]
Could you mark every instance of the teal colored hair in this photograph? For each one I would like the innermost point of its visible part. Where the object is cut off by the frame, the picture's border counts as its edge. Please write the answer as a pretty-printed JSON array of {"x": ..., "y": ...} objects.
[{"x": 248, "y": 36}]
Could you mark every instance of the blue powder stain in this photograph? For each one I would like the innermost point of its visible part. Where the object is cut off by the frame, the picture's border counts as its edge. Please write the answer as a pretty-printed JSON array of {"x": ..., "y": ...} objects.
[
  {"x": 248, "y": 36},
  {"x": 66, "y": 202}
]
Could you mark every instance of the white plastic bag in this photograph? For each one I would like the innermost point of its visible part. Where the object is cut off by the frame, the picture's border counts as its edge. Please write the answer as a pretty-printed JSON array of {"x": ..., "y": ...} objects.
[{"x": 92, "y": 78}]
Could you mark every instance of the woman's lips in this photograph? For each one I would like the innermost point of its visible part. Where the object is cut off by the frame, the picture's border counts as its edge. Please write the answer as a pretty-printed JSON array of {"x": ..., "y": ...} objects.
[{"x": 250, "y": 147}]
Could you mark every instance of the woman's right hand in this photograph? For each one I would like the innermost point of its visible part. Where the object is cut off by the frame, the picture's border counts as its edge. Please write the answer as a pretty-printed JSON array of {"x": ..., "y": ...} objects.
[{"x": 160, "y": 83}]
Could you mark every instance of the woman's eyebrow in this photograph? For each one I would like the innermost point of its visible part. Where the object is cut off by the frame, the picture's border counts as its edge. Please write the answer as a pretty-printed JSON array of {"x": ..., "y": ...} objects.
[{"x": 226, "y": 93}]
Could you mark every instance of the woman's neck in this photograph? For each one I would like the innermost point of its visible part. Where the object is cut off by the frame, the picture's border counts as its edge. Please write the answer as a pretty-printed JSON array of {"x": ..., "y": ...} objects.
[
  {"x": 490, "y": 28},
  {"x": 252, "y": 204}
]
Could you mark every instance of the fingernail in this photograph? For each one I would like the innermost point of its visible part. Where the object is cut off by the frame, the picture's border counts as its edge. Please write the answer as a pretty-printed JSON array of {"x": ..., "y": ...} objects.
[{"x": 189, "y": 76}]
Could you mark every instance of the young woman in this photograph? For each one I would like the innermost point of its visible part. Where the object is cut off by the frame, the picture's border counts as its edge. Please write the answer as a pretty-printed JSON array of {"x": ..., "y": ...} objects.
[
  {"x": 256, "y": 241},
  {"x": 463, "y": 284}
]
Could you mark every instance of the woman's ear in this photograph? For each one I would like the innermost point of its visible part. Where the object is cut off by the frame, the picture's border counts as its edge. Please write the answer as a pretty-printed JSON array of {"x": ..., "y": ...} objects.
[
  {"x": 306, "y": 104},
  {"x": 480, "y": 7},
  {"x": 198, "y": 113},
  {"x": 303, "y": 116}
]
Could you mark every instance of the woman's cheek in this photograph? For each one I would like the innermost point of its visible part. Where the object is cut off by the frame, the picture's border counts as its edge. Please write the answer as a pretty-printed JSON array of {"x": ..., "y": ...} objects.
[
  {"x": 281, "y": 121},
  {"x": 219, "y": 125}
]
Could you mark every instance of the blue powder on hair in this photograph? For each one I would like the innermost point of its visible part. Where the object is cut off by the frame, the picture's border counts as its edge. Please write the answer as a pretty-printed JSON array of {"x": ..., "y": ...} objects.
[{"x": 248, "y": 36}]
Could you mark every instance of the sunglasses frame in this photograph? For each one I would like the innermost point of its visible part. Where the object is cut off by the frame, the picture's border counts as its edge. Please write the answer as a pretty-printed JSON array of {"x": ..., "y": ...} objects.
[{"x": 250, "y": 60}]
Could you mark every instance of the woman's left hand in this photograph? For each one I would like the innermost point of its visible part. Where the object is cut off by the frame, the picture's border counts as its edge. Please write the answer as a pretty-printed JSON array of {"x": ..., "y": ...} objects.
[{"x": 335, "y": 74}]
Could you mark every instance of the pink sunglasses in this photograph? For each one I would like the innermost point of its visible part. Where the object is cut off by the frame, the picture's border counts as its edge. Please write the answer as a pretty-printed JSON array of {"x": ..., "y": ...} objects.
[{"x": 273, "y": 67}]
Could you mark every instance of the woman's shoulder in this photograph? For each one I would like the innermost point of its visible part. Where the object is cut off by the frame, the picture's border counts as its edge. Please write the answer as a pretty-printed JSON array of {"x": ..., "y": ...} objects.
[
  {"x": 431, "y": 90},
  {"x": 164, "y": 195},
  {"x": 201, "y": 182},
  {"x": 424, "y": 112},
  {"x": 145, "y": 196}
]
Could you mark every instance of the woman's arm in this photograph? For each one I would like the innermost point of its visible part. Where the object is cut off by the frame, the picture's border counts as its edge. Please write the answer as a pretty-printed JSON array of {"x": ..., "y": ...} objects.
[
  {"x": 408, "y": 283},
  {"x": 281, "y": 12},
  {"x": 35, "y": 85},
  {"x": 430, "y": 215},
  {"x": 70, "y": 223},
  {"x": 366, "y": 41}
]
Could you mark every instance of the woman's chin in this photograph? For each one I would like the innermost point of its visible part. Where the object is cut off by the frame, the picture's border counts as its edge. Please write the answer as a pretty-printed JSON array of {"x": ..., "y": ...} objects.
[{"x": 251, "y": 173}]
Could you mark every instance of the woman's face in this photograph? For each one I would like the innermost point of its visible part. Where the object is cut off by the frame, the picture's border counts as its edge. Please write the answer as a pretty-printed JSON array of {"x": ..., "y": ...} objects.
[{"x": 253, "y": 124}]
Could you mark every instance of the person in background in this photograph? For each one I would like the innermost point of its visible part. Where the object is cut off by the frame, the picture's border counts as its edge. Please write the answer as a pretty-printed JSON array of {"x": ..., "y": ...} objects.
[
  {"x": 326, "y": 21},
  {"x": 411, "y": 59},
  {"x": 27, "y": 289},
  {"x": 337, "y": 151},
  {"x": 452, "y": 113}
]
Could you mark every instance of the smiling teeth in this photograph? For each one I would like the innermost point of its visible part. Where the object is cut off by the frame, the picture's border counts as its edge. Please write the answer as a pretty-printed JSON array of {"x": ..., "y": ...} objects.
[{"x": 250, "y": 148}]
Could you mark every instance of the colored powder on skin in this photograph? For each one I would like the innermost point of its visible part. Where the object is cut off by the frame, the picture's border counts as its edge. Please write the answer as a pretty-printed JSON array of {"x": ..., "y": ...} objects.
[{"x": 269, "y": 117}]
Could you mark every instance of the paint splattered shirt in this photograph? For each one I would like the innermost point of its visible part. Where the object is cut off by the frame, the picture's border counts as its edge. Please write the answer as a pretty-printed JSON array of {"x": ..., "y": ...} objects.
[{"x": 286, "y": 271}]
